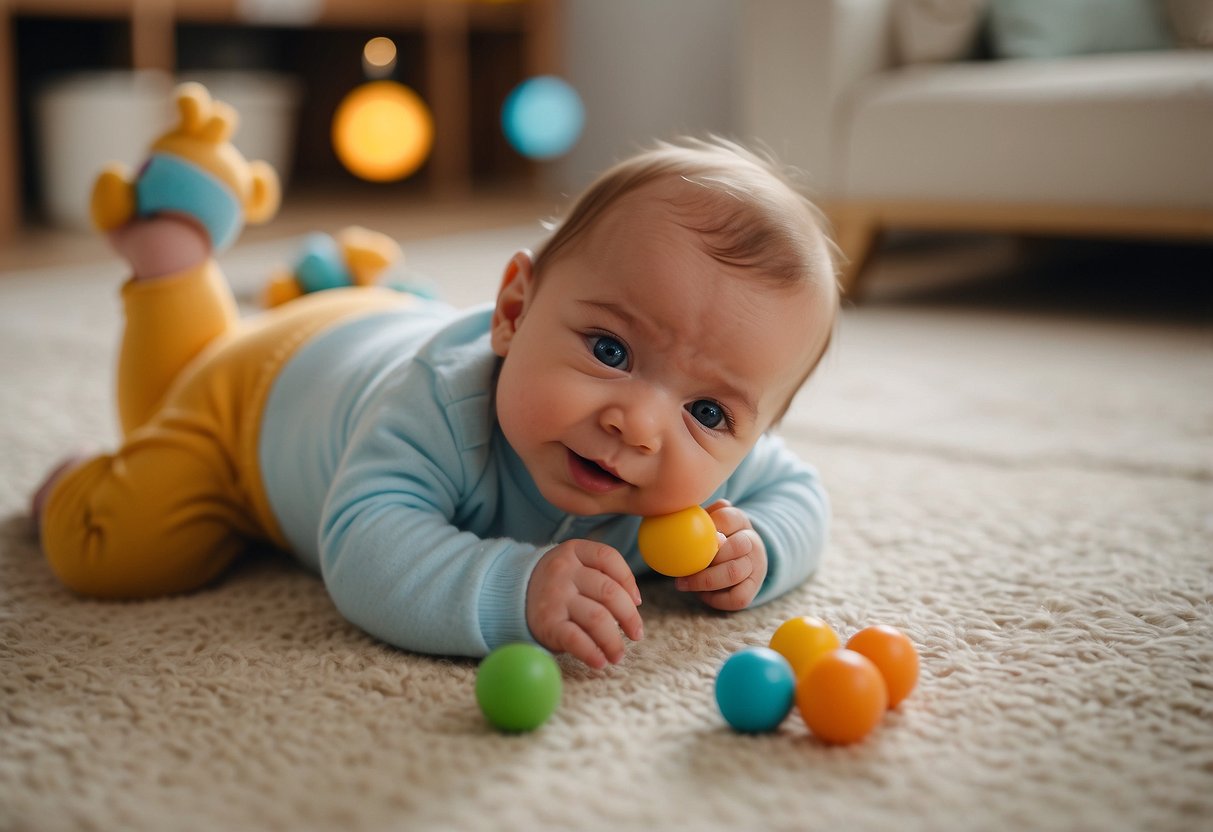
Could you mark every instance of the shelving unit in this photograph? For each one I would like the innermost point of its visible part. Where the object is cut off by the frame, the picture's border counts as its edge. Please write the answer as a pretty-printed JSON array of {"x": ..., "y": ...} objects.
[{"x": 445, "y": 26}]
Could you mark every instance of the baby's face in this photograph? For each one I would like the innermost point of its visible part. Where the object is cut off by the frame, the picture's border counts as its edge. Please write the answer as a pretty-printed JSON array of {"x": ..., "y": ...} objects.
[{"x": 639, "y": 371}]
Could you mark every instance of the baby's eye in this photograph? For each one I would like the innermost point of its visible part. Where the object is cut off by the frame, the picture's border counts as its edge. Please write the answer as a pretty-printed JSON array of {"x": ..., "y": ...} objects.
[
  {"x": 610, "y": 352},
  {"x": 707, "y": 412}
]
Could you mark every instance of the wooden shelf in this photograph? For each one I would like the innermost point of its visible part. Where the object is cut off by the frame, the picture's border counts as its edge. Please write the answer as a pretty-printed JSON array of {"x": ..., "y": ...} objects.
[{"x": 445, "y": 27}]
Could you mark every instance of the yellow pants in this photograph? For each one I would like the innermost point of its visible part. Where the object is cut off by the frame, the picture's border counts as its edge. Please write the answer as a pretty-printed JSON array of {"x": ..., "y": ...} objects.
[{"x": 183, "y": 494}]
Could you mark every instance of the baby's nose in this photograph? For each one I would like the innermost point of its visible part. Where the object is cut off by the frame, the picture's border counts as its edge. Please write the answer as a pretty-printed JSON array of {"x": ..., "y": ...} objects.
[{"x": 636, "y": 423}]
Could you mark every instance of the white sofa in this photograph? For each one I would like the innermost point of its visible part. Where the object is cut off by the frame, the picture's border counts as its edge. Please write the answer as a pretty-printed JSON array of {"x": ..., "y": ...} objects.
[{"x": 895, "y": 127}]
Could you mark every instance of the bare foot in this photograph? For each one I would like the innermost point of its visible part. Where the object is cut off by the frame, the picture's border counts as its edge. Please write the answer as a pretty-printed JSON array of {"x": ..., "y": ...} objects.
[
  {"x": 161, "y": 245},
  {"x": 37, "y": 502}
]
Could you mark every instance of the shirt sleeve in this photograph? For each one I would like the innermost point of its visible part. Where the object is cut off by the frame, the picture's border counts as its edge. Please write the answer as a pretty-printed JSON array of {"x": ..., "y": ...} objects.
[
  {"x": 789, "y": 508},
  {"x": 394, "y": 562}
]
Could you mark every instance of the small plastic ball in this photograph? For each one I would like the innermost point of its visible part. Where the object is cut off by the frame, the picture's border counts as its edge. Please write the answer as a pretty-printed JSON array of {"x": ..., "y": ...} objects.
[
  {"x": 804, "y": 640},
  {"x": 755, "y": 689},
  {"x": 678, "y": 544},
  {"x": 842, "y": 697},
  {"x": 518, "y": 687},
  {"x": 894, "y": 656}
]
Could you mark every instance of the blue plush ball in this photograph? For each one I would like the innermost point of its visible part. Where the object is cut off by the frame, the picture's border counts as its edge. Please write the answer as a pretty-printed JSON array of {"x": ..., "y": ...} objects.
[
  {"x": 755, "y": 689},
  {"x": 542, "y": 117},
  {"x": 321, "y": 265}
]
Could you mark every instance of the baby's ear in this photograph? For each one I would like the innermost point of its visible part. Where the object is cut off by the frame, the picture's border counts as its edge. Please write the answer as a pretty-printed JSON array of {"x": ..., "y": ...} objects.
[{"x": 512, "y": 299}]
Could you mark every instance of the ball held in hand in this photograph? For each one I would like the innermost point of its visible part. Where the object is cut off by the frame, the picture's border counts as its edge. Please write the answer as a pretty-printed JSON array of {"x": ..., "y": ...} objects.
[{"x": 678, "y": 544}]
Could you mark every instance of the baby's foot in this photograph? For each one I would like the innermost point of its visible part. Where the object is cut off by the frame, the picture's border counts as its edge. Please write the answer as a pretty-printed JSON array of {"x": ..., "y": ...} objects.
[
  {"x": 161, "y": 245},
  {"x": 37, "y": 503}
]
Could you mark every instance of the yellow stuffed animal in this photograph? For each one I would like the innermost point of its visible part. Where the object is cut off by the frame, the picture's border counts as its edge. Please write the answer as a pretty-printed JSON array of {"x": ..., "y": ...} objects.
[{"x": 192, "y": 170}]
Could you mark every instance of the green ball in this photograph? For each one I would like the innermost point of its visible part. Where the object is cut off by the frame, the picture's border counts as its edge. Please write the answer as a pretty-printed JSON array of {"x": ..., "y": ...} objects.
[{"x": 518, "y": 687}]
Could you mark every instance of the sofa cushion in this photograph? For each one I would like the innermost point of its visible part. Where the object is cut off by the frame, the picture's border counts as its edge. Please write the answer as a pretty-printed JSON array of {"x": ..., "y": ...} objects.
[
  {"x": 1192, "y": 22},
  {"x": 1055, "y": 28},
  {"x": 1132, "y": 129},
  {"x": 936, "y": 30}
]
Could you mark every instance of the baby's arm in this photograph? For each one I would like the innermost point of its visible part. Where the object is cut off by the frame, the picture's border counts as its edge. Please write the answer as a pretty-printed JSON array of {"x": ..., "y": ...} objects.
[
  {"x": 396, "y": 564},
  {"x": 773, "y": 518}
]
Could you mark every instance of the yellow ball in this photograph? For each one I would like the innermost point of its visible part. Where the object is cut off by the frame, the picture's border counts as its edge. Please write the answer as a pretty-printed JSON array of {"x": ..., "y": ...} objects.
[
  {"x": 804, "y": 640},
  {"x": 382, "y": 131},
  {"x": 678, "y": 544}
]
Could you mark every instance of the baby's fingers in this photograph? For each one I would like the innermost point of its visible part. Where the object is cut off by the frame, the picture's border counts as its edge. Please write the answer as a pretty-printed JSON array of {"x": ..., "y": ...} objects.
[
  {"x": 734, "y": 598},
  {"x": 571, "y": 639},
  {"x": 602, "y": 588},
  {"x": 600, "y": 626},
  {"x": 728, "y": 518},
  {"x": 720, "y": 575},
  {"x": 608, "y": 561},
  {"x": 732, "y": 565}
]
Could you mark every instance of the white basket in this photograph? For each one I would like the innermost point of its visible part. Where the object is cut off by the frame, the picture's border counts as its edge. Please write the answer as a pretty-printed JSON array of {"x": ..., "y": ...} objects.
[{"x": 88, "y": 120}]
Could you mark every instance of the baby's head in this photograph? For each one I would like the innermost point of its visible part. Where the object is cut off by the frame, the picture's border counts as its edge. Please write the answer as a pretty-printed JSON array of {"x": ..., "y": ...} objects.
[{"x": 662, "y": 328}]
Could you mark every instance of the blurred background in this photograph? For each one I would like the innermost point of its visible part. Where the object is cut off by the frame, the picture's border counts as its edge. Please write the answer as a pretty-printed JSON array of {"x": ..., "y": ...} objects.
[{"x": 946, "y": 139}]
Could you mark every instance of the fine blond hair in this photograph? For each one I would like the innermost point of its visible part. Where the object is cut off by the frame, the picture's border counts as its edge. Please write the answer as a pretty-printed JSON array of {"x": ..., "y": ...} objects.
[{"x": 747, "y": 209}]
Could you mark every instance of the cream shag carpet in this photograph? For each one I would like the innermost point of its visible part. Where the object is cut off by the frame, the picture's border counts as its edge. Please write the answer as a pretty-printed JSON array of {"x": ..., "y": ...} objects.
[{"x": 1024, "y": 487}]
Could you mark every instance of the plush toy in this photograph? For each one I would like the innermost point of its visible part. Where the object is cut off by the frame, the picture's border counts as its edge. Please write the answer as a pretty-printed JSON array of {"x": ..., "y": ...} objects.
[
  {"x": 354, "y": 256},
  {"x": 192, "y": 170}
]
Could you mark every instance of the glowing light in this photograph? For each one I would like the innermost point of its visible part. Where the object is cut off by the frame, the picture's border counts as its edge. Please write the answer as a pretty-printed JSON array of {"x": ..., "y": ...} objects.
[
  {"x": 542, "y": 117},
  {"x": 379, "y": 57},
  {"x": 382, "y": 131}
]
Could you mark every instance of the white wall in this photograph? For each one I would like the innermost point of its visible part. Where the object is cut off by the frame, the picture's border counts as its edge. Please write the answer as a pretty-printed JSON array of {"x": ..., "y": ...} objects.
[{"x": 647, "y": 69}]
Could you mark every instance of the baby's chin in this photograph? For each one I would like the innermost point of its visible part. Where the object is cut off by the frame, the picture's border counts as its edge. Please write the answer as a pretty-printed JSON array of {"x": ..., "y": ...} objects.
[{"x": 589, "y": 506}]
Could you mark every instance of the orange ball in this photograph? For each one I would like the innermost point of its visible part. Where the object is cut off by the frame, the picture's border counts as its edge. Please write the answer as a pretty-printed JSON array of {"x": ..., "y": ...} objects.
[
  {"x": 804, "y": 640},
  {"x": 842, "y": 697},
  {"x": 894, "y": 656}
]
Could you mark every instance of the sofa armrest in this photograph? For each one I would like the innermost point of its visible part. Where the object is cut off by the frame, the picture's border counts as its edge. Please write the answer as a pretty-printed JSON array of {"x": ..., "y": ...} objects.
[{"x": 799, "y": 60}]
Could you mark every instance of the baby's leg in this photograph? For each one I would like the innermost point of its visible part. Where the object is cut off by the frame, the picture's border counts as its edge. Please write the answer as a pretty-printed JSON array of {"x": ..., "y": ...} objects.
[
  {"x": 169, "y": 321},
  {"x": 181, "y": 498},
  {"x": 161, "y": 515}
]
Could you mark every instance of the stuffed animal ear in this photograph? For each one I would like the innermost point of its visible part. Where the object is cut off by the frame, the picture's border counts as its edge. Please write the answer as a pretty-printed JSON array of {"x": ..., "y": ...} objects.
[
  {"x": 221, "y": 125},
  {"x": 112, "y": 204},
  {"x": 265, "y": 195},
  {"x": 194, "y": 104}
]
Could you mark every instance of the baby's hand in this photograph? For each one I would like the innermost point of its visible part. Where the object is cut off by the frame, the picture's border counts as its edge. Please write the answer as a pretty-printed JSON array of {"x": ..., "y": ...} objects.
[
  {"x": 736, "y": 574},
  {"x": 580, "y": 594}
]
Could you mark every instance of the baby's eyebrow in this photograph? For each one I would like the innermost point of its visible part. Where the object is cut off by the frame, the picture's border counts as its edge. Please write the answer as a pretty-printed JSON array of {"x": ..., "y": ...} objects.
[
  {"x": 730, "y": 391},
  {"x": 616, "y": 310}
]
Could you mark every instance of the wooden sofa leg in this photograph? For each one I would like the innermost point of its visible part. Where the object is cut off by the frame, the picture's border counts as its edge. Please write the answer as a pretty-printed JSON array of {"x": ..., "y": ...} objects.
[{"x": 856, "y": 234}]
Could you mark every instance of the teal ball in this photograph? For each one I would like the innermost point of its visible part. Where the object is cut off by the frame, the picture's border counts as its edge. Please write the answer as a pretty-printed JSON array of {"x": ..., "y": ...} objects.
[{"x": 755, "y": 689}]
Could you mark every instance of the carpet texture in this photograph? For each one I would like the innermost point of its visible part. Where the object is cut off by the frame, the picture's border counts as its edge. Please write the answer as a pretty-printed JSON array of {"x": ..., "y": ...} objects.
[{"x": 1028, "y": 494}]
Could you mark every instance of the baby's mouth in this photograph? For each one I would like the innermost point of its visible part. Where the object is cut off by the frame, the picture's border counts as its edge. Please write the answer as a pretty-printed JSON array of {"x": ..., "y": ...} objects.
[{"x": 592, "y": 476}]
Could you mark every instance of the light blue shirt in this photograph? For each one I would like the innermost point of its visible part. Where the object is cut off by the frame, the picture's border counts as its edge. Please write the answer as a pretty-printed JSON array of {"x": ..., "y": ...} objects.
[{"x": 388, "y": 474}]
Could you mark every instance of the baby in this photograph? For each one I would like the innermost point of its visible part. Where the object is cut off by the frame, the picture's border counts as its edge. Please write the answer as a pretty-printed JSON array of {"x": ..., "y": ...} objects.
[{"x": 466, "y": 478}]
